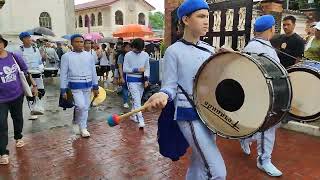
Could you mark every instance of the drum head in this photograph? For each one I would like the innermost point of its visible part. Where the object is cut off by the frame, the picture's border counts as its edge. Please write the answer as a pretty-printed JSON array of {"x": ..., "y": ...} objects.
[
  {"x": 231, "y": 95},
  {"x": 306, "y": 88}
]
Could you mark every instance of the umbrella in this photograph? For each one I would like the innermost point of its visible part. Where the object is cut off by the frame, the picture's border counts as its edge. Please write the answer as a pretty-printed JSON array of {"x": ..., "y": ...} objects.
[
  {"x": 55, "y": 39},
  {"x": 133, "y": 30},
  {"x": 67, "y": 36},
  {"x": 41, "y": 31},
  {"x": 108, "y": 40},
  {"x": 94, "y": 36}
]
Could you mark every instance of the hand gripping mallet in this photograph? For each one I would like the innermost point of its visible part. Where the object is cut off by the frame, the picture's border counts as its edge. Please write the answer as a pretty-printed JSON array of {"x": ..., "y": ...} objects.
[{"x": 115, "y": 119}]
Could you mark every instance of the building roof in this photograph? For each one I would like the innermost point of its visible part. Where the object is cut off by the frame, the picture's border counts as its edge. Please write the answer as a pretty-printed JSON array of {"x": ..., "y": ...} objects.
[{"x": 100, "y": 3}]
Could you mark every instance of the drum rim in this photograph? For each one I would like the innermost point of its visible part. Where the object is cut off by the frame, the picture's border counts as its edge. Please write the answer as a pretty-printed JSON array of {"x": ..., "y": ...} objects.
[
  {"x": 311, "y": 118},
  {"x": 196, "y": 103}
]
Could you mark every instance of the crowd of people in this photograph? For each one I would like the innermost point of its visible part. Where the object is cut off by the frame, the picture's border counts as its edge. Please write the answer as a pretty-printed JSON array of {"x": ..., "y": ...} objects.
[{"x": 81, "y": 67}]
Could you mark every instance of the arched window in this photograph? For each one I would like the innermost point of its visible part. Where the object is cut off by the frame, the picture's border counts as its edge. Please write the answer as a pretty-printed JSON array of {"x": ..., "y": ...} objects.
[
  {"x": 141, "y": 19},
  {"x": 93, "y": 20},
  {"x": 45, "y": 20},
  {"x": 86, "y": 21},
  {"x": 80, "y": 21},
  {"x": 119, "y": 18},
  {"x": 99, "y": 19}
]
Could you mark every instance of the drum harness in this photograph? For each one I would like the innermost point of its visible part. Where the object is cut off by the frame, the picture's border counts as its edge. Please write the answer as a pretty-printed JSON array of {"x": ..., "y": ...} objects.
[
  {"x": 279, "y": 50},
  {"x": 194, "y": 107}
]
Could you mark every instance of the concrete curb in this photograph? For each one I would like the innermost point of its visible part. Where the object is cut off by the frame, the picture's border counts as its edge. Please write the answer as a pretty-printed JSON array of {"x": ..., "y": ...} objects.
[{"x": 303, "y": 128}]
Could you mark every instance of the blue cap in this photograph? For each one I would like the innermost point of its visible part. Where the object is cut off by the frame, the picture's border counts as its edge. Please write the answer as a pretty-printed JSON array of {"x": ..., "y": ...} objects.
[
  {"x": 24, "y": 35},
  {"x": 264, "y": 23},
  {"x": 76, "y": 36},
  {"x": 190, "y": 6}
]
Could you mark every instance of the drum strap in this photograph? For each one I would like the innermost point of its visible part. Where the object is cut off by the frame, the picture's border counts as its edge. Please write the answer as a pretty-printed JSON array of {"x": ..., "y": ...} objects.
[
  {"x": 194, "y": 134},
  {"x": 277, "y": 49},
  {"x": 196, "y": 46}
]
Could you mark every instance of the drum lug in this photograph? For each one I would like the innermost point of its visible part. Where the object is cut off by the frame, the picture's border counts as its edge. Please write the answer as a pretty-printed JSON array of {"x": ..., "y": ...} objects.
[
  {"x": 268, "y": 77},
  {"x": 284, "y": 77}
]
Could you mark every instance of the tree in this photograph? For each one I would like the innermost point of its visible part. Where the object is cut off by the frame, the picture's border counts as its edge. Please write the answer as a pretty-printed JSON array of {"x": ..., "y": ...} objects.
[
  {"x": 303, "y": 4},
  {"x": 156, "y": 20}
]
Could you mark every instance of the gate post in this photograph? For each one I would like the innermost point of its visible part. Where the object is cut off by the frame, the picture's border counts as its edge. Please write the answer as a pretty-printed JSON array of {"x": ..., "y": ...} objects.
[
  {"x": 170, "y": 6},
  {"x": 275, "y": 8}
]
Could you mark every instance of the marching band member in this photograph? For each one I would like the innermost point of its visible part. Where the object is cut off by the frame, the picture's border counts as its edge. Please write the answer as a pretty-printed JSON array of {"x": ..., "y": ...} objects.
[
  {"x": 32, "y": 57},
  {"x": 78, "y": 73},
  {"x": 137, "y": 68},
  {"x": 264, "y": 30},
  {"x": 181, "y": 63}
]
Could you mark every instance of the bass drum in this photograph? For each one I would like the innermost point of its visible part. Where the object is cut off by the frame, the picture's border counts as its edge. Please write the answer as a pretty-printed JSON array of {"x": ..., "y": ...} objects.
[
  {"x": 237, "y": 95},
  {"x": 305, "y": 78}
]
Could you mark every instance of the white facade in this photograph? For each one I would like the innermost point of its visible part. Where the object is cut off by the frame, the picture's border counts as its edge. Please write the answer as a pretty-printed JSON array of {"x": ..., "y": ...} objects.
[
  {"x": 129, "y": 8},
  {"x": 21, "y": 15}
]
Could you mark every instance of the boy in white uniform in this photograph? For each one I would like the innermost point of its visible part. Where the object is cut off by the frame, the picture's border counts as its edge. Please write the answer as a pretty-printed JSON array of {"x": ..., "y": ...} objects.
[
  {"x": 137, "y": 68},
  {"x": 32, "y": 57},
  {"x": 264, "y": 30},
  {"x": 181, "y": 63},
  {"x": 78, "y": 73}
]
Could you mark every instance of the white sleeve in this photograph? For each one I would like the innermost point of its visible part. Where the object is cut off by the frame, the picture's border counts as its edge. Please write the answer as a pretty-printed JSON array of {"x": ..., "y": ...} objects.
[
  {"x": 64, "y": 72},
  {"x": 126, "y": 64},
  {"x": 147, "y": 67},
  {"x": 170, "y": 74}
]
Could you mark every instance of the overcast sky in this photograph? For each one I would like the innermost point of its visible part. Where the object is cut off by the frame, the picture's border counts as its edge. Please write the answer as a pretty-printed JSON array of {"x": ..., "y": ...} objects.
[{"x": 158, "y": 4}]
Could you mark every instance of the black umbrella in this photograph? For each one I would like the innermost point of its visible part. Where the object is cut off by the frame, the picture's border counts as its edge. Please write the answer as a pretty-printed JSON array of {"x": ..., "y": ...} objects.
[
  {"x": 108, "y": 40},
  {"x": 41, "y": 31}
]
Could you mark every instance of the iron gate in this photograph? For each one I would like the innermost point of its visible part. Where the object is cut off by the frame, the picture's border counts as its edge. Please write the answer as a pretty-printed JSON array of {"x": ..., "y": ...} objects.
[{"x": 230, "y": 24}]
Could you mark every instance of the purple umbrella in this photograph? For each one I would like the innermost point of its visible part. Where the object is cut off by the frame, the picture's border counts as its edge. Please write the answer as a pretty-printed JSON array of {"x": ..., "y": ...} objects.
[{"x": 94, "y": 36}]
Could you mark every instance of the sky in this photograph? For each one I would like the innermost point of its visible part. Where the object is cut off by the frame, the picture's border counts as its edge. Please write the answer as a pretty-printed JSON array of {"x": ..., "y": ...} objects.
[{"x": 158, "y": 4}]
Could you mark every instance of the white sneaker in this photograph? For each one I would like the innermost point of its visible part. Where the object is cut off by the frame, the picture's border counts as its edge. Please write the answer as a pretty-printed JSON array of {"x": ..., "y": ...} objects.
[
  {"x": 270, "y": 169},
  {"x": 126, "y": 105},
  {"x": 141, "y": 124},
  {"x": 76, "y": 129},
  {"x": 33, "y": 117},
  {"x": 134, "y": 119},
  {"x": 245, "y": 146},
  {"x": 85, "y": 133},
  {"x": 4, "y": 159}
]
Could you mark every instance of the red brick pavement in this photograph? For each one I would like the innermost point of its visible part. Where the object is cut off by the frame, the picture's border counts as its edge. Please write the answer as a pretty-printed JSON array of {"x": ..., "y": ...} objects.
[{"x": 124, "y": 152}]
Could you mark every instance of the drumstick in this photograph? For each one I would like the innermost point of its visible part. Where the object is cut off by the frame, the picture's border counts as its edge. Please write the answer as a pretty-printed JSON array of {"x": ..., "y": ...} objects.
[{"x": 115, "y": 119}]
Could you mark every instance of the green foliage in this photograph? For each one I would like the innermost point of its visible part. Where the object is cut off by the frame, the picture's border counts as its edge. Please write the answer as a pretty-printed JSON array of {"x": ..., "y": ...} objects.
[
  {"x": 303, "y": 4},
  {"x": 156, "y": 20}
]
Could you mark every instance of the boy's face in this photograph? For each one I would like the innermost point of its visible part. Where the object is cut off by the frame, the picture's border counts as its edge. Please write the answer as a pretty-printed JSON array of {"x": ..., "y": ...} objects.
[
  {"x": 198, "y": 22},
  {"x": 127, "y": 48},
  {"x": 78, "y": 44},
  {"x": 87, "y": 44}
]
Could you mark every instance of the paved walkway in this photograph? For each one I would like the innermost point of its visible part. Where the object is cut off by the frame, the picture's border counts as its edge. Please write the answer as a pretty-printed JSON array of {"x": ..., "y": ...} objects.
[{"x": 124, "y": 152}]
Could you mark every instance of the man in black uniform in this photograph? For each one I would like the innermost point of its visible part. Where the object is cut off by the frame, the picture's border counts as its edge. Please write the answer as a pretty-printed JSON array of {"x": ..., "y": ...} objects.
[{"x": 290, "y": 43}]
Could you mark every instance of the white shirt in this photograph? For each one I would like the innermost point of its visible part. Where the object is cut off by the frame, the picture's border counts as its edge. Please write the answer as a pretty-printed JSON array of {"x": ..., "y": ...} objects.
[
  {"x": 94, "y": 55},
  {"x": 104, "y": 61},
  {"x": 134, "y": 61},
  {"x": 32, "y": 58},
  {"x": 77, "y": 68},
  {"x": 181, "y": 64},
  {"x": 254, "y": 46}
]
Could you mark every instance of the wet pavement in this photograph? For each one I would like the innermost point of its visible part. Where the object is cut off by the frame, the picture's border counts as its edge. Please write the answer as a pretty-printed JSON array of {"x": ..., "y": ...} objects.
[{"x": 124, "y": 152}]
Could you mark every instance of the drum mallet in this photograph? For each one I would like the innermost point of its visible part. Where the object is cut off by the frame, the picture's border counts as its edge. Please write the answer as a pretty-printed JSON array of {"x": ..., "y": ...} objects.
[{"x": 115, "y": 119}]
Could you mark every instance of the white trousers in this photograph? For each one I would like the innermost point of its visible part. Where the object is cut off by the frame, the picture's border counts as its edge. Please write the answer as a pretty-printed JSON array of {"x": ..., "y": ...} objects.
[
  {"x": 136, "y": 90},
  {"x": 265, "y": 143},
  {"x": 82, "y": 103},
  {"x": 206, "y": 159}
]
